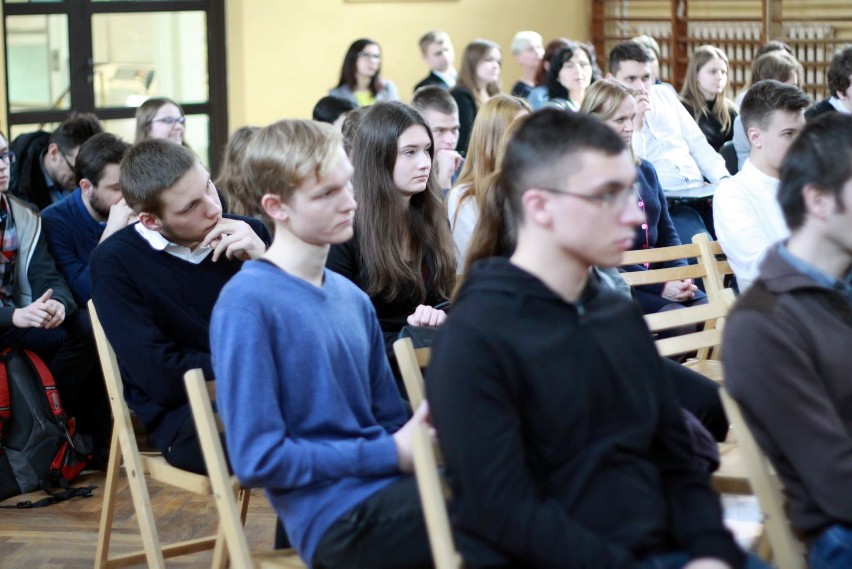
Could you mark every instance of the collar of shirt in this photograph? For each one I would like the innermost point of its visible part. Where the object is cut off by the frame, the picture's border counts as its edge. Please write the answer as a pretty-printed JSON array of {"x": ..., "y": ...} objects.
[
  {"x": 818, "y": 276},
  {"x": 449, "y": 76},
  {"x": 838, "y": 105},
  {"x": 159, "y": 243},
  {"x": 756, "y": 176}
]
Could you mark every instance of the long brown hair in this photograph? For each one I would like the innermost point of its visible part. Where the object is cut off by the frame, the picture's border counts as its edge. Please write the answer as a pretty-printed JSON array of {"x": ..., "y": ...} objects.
[
  {"x": 489, "y": 129},
  {"x": 393, "y": 239},
  {"x": 231, "y": 181},
  {"x": 473, "y": 54},
  {"x": 691, "y": 94}
]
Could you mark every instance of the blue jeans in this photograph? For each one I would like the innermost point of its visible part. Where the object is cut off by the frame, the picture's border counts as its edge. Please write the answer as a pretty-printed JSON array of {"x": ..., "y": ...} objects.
[
  {"x": 677, "y": 559},
  {"x": 832, "y": 549}
]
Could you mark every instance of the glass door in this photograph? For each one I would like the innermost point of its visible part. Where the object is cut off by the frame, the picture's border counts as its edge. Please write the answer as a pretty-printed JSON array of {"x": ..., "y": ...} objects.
[{"x": 107, "y": 57}]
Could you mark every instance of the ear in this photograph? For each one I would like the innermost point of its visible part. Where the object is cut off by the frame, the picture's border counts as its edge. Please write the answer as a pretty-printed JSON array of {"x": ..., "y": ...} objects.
[
  {"x": 609, "y": 75},
  {"x": 818, "y": 203},
  {"x": 53, "y": 150},
  {"x": 536, "y": 206},
  {"x": 86, "y": 187},
  {"x": 150, "y": 221},
  {"x": 754, "y": 138},
  {"x": 275, "y": 207}
]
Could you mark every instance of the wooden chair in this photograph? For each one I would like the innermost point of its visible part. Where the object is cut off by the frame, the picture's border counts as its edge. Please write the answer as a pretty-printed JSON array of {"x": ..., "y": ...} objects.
[
  {"x": 788, "y": 552},
  {"x": 411, "y": 363},
  {"x": 231, "y": 512},
  {"x": 432, "y": 498},
  {"x": 138, "y": 466}
]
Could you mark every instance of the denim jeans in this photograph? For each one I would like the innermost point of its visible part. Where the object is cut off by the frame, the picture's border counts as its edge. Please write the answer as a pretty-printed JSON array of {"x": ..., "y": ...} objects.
[
  {"x": 677, "y": 559},
  {"x": 832, "y": 549}
]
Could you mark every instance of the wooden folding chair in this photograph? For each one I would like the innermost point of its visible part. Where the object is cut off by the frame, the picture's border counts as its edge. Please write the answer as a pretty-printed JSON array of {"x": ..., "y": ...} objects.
[
  {"x": 432, "y": 498},
  {"x": 225, "y": 486},
  {"x": 411, "y": 363},
  {"x": 138, "y": 466},
  {"x": 788, "y": 552}
]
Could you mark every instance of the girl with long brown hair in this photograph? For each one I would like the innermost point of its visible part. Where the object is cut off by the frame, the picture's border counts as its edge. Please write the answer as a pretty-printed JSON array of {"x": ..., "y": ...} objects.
[
  {"x": 704, "y": 95},
  {"x": 478, "y": 81},
  {"x": 402, "y": 253}
]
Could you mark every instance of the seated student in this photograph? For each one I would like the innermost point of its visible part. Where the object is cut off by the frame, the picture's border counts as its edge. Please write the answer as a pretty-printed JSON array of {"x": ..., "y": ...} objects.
[
  {"x": 161, "y": 117},
  {"x": 704, "y": 95},
  {"x": 44, "y": 172},
  {"x": 402, "y": 253},
  {"x": 38, "y": 313},
  {"x": 787, "y": 356},
  {"x": 95, "y": 210},
  {"x": 479, "y": 80},
  {"x": 465, "y": 199},
  {"x": 568, "y": 77},
  {"x": 778, "y": 65},
  {"x": 839, "y": 85},
  {"x": 231, "y": 181},
  {"x": 438, "y": 53},
  {"x": 333, "y": 110},
  {"x": 527, "y": 49},
  {"x": 654, "y": 51},
  {"x": 441, "y": 112},
  {"x": 745, "y": 209},
  {"x": 155, "y": 282},
  {"x": 538, "y": 94},
  {"x": 614, "y": 104},
  {"x": 300, "y": 346},
  {"x": 563, "y": 440},
  {"x": 361, "y": 75}
]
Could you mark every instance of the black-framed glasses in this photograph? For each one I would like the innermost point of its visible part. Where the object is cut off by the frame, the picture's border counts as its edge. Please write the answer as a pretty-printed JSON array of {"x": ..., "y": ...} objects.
[
  {"x": 8, "y": 157},
  {"x": 615, "y": 199},
  {"x": 70, "y": 164},
  {"x": 170, "y": 120},
  {"x": 373, "y": 56}
]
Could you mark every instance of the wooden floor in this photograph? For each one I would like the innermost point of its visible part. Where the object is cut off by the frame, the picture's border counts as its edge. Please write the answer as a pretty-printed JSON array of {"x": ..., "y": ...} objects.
[{"x": 65, "y": 535}]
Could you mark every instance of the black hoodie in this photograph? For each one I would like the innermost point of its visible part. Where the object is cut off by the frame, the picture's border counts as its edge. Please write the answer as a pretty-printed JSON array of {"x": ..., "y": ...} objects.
[{"x": 564, "y": 443}]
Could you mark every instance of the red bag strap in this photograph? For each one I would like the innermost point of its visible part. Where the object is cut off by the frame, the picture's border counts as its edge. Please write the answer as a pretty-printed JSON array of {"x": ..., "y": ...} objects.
[
  {"x": 47, "y": 380},
  {"x": 5, "y": 402}
]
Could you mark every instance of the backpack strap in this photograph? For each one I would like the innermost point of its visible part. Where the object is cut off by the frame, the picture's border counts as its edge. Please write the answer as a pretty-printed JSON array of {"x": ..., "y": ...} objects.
[
  {"x": 48, "y": 382},
  {"x": 83, "y": 492},
  {"x": 5, "y": 401}
]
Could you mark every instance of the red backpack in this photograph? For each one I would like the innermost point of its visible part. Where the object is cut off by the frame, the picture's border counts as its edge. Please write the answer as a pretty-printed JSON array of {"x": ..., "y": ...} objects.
[{"x": 39, "y": 445}]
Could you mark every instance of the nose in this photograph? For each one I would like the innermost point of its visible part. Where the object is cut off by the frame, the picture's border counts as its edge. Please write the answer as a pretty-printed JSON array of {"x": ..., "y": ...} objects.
[
  {"x": 632, "y": 214},
  {"x": 349, "y": 203},
  {"x": 425, "y": 161}
]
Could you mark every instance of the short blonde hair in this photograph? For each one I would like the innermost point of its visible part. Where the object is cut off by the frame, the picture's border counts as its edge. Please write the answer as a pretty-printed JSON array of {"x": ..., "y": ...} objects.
[{"x": 286, "y": 154}]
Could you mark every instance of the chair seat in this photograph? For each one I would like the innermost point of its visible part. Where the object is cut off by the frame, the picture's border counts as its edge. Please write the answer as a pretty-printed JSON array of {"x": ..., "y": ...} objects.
[
  {"x": 277, "y": 560},
  {"x": 712, "y": 369},
  {"x": 732, "y": 476}
]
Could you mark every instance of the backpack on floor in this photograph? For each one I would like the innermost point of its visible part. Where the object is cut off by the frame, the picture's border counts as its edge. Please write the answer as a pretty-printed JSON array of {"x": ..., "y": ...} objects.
[{"x": 39, "y": 445}]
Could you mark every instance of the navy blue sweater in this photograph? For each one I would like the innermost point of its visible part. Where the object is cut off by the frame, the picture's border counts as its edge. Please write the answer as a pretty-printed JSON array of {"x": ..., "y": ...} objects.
[{"x": 155, "y": 309}]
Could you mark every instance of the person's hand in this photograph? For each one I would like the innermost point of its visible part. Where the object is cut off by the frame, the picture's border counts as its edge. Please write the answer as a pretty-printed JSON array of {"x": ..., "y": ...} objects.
[
  {"x": 120, "y": 216},
  {"x": 236, "y": 239},
  {"x": 402, "y": 438},
  {"x": 427, "y": 316},
  {"x": 643, "y": 105},
  {"x": 446, "y": 164},
  {"x": 679, "y": 291},
  {"x": 706, "y": 563},
  {"x": 43, "y": 312}
]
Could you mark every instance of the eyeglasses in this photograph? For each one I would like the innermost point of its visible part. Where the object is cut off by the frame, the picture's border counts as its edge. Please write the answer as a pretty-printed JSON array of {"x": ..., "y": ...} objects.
[
  {"x": 68, "y": 162},
  {"x": 170, "y": 121},
  {"x": 373, "y": 56},
  {"x": 8, "y": 157},
  {"x": 614, "y": 200}
]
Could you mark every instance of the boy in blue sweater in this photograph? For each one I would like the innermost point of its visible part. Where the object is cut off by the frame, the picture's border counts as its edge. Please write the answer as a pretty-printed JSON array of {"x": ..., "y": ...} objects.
[{"x": 311, "y": 410}]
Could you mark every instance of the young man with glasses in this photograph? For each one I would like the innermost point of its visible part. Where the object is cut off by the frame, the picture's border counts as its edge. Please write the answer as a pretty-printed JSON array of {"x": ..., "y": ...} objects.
[
  {"x": 45, "y": 162},
  {"x": 563, "y": 439}
]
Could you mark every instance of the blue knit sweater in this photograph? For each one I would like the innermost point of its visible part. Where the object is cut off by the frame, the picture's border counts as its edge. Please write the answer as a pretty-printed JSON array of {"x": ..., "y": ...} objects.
[
  {"x": 72, "y": 234},
  {"x": 306, "y": 395}
]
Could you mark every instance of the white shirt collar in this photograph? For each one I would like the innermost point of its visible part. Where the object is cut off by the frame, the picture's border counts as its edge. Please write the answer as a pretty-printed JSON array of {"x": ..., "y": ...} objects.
[
  {"x": 449, "y": 76},
  {"x": 838, "y": 105},
  {"x": 159, "y": 243},
  {"x": 757, "y": 175}
]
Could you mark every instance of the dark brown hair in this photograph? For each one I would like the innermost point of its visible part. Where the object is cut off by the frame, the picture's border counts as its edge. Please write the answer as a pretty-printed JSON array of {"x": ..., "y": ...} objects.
[{"x": 349, "y": 69}]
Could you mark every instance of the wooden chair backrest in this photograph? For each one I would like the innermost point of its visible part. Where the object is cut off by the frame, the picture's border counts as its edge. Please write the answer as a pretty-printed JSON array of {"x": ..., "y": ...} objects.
[
  {"x": 788, "y": 552},
  {"x": 444, "y": 553},
  {"x": 411, "y": 364},
  {"x": 704, "y": 341}
]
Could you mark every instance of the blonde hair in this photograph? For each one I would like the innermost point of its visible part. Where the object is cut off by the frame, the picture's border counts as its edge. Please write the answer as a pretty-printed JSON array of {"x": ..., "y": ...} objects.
[
  {"x": 691, "y": 94},
  {"x": 231, "y": 181},
  {"x": 603, "y": 99},
  {"x": 489, "y": 129},
  {"x": 473, "y": 54},
  {"x": 286, "y": 154}
]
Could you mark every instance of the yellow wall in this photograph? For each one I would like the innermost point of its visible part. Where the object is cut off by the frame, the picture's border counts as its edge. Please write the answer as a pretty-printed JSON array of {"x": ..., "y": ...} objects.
[{"x": 283, "y": 55}]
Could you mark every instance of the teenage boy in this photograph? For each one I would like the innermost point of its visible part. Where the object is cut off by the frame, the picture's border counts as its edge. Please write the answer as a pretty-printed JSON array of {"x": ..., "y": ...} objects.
[
  {"x": 154, "y": 284},
  {"x": 312, "y": 413},
  {"x": 45, "y": 168},
  {"x": 839, "y": 85},
  {"x": 96, "y": 210},
  {"x": 442, "y": 113},
  {"x": 563, "y": 440},
  {"x": 333, "y": 110},
  {"x": 437, "y": 52},
  {"x": 745, "y": 207},
  {"x": 527, "y": 49},
  {"x": 787, "y": 342}
]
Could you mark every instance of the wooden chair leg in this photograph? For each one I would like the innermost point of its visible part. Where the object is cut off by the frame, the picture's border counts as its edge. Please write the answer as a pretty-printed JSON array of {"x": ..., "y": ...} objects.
[
  {"x": 220, "y": 551},
  {"x": 108, "y": 505}
]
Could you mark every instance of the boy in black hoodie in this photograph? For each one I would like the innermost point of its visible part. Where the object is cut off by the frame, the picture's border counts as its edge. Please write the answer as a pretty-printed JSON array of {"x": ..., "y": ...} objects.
[{"x": 563, "y": 440}]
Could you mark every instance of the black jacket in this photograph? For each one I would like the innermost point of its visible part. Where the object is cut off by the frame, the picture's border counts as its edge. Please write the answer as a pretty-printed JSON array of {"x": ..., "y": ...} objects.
[
  {"x": 467, "y": 114},
  {"x": 27, "y": 181},
  {"x": 432, "y": 79},
  {"x": 563, "y": 440}
]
